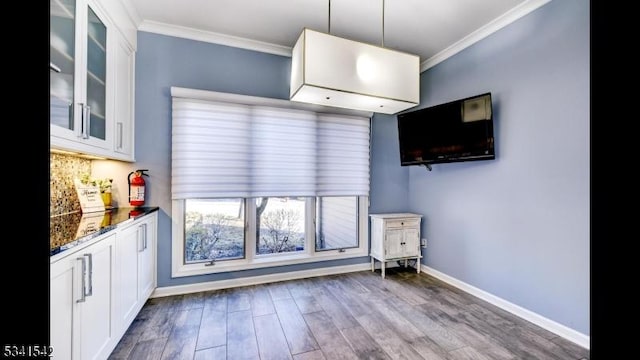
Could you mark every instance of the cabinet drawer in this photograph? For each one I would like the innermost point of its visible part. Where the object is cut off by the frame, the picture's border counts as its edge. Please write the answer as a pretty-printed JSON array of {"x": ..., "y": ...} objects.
[{"x": 402, "y": 223}]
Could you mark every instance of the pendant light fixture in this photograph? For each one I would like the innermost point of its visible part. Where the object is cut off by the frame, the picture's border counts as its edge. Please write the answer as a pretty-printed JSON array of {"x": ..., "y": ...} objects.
[{"x": 334, "y": 71}]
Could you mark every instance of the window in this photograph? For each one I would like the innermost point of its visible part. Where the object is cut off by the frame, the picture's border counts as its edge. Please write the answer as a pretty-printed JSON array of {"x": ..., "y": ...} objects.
[
  {"x": 280, "y": 224},
  {"x": 256, "y": 186},
  {"x": 213, "y": 229},
  {"x": 337, "y": 223}
]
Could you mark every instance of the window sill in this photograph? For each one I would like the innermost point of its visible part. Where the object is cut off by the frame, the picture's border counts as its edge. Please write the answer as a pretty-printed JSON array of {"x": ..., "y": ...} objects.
[{"x": 265, "y": 261}]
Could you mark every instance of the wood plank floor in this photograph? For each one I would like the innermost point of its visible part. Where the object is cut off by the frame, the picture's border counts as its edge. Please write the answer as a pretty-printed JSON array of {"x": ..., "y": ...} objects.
[{"x": 349, "y": 316}]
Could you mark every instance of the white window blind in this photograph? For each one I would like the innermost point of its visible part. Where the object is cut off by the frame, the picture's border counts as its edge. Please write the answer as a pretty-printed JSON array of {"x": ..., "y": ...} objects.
[
  {"x": 284, "y": 152},
  {"x": 211, "y": 151},
  {"x": 343, "y": 155},
  {"x": 226, "y": 150}
]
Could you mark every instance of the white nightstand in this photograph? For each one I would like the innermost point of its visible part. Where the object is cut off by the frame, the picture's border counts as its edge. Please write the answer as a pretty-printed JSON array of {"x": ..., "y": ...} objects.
[{"x": 395, "y": 236}]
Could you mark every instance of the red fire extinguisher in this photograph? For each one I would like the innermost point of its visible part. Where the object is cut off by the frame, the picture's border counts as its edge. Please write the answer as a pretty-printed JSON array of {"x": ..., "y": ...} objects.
[{"x": 136, "y": 188}]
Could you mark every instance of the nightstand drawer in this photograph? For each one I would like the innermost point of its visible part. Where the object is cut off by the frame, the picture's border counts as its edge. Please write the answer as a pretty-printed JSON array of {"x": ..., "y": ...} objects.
[{"x": 402, "y": 223}]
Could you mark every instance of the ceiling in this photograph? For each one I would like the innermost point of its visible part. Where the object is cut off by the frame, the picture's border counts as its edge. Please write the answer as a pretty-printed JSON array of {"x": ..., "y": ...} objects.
[{"x": 432, "y": 29}]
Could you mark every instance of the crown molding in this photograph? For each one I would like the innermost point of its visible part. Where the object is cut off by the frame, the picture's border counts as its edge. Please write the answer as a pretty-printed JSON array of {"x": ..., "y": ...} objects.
[
  {"x": 270, "y": 48},
  {"x": 132, "y": 12},
  {"x": 213, "y": 37},
  {"x": 488, "y": 29}
]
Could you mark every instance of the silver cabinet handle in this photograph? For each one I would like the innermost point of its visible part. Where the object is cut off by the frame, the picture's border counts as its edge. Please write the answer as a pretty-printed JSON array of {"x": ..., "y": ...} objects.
[
  {"x": 80, "y": 129},
  {"x": 120, "y": 135},
  {"x": 144, "y": 227},
  {"x": 140, "y": 239},
  {"x": 84, "y": 273},
  {"x": 143, "y": 237},
  {"x": 54, "y": 67},
  {"x": 90, "y": 274},
  {"x": 86, "y": 122}
]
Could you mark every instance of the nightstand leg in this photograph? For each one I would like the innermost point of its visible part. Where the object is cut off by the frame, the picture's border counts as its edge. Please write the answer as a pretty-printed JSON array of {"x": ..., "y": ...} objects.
[
  {"x": 382, "y": 267},
  {"x": 373, "y": 265},
  {"x": 418, "y": 265},
  {"x": 406, "y": 262}
]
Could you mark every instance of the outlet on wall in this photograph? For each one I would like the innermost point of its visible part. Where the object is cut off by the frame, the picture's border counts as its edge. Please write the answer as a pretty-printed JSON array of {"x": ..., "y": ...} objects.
[{"x": 423, "y": 242}]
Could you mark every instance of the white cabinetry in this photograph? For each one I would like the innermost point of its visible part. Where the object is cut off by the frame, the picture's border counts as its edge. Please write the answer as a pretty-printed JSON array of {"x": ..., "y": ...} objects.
[
  {"x": 81, "y": 301},
  {"x": 123, "y": 107},
  {"x": 79, "y": 69},
  {"x": 97, "y": 290},
  {"x": 63, "y": 276},
  {"x": 395, "y": 236},
  {"x": 127, "y": 245},
  {"x": 136, "y": 271},
  {"x": 91, "y": 81},
  {"x": 147, "y": 258}
]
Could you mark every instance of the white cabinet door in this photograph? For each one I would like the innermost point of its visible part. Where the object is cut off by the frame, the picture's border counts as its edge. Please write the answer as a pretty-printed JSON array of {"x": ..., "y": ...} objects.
[
  {"x": 128, "y": 244},
  {"x": 146, "y": 258},
  {"x": 124, "y": 111},
  {"x": 64, "y": 66},
  {"x": 411, "y": 241},
  {"x": 64, "y": 279},
  {"x": 96, "y": 123},
  {"x": 393, "y": 243},
  {"x": 94, "y": 312}
]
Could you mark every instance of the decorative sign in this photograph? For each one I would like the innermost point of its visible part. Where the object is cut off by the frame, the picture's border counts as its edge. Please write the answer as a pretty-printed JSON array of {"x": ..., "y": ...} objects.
[{"x": 89, "y": 195}]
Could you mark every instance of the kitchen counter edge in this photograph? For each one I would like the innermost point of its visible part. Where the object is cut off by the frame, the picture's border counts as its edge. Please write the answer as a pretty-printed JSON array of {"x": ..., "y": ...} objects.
[{"x": 61, "y": 251}]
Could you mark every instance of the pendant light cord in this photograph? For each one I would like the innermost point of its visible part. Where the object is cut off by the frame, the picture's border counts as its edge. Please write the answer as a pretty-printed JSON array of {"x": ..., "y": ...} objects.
[
  {"x": 382, "y": 23},
  {"x": 329, "y": 18}
]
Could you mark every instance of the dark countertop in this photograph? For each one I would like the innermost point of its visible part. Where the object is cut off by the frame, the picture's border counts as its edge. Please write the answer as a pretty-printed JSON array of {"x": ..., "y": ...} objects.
[{"x": 70, "y": 230}]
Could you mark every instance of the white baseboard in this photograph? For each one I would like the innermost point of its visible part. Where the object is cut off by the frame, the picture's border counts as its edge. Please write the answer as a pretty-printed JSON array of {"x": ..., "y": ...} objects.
[
  {"x": 545, "y": 323},
  {"x": 255, "y": 280}
]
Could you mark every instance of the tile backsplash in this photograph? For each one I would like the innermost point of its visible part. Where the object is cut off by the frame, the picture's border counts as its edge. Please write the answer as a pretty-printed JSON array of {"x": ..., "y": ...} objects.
[{"x": 63, "y": 169}]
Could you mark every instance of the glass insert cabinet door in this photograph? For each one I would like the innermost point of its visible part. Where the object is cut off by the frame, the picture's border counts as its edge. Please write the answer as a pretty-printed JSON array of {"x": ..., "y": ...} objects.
[
  {"x": 62, "y": 62},
  {"x": 96, "y": 75},
  {"x": 78, "y": 71}
]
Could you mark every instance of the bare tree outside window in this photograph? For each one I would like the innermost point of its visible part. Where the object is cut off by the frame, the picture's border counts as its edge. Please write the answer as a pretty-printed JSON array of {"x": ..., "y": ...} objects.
[
  {"x": 282, "y": 231},
  {"x": 280, "y": 225},
  {"x": 215, "y": 228},
  {"x": 211, "y": 235}
]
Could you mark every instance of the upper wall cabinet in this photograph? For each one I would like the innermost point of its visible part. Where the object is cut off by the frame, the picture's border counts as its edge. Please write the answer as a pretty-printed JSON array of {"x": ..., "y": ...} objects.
[
  {"x": 123, "y": 107},
  {"x": 91, "y": 82}
]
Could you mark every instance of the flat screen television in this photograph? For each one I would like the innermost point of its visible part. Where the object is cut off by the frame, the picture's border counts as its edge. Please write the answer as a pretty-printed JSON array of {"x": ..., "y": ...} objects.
[{"x": 460, "y": 130}]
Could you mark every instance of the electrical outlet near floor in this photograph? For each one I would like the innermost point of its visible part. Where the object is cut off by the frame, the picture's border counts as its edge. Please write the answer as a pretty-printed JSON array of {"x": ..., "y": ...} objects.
[{"x": 423, "y": 242}]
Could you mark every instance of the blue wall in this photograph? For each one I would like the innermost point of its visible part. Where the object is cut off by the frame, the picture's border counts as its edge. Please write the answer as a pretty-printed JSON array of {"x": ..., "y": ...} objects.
[
  {"x": 518, "y": 226},
  {"x": 163, "y": 62},
  {"x": 389, "y": 181}
]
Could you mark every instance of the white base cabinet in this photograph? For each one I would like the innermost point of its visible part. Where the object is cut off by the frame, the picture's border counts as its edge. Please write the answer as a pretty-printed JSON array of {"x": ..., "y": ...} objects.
[
  {"x": 81, "y": 302},
  {"x": 147, "y": 258},
  {"x": 97, "y": 290},
  {"x": 136, "y": 270},
  {"x": 395, "y": 237}
]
